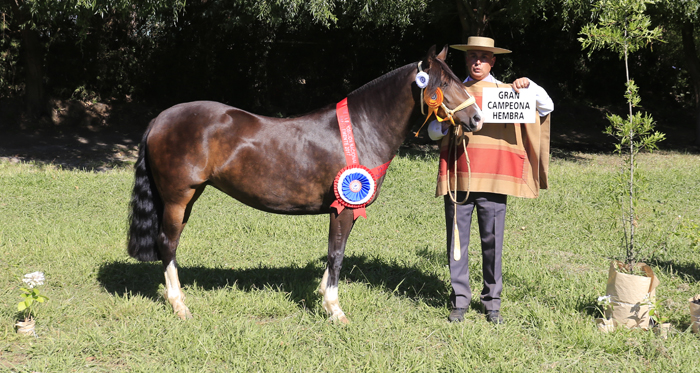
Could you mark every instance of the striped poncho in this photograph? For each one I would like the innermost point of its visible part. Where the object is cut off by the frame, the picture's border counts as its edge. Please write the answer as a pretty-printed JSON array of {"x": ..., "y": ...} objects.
[{"x": 510, "y": 159}]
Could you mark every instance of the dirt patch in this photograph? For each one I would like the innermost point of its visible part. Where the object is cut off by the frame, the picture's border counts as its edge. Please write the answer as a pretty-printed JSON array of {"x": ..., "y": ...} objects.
[
  {"x": 74, "y": 134},
  {"x": 98, "y": 136}
]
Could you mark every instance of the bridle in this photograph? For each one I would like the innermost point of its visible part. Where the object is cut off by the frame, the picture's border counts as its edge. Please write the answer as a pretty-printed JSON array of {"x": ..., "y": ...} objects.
[{"x": 436, "y": 101}]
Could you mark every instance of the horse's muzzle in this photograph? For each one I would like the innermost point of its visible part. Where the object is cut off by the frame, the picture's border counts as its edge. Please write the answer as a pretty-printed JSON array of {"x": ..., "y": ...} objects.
[{"x": 475, "y": 123}]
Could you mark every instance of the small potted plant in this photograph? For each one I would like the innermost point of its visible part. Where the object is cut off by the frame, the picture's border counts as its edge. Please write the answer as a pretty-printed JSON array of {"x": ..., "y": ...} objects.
[
  {"x": 27, "y": 307},
  {"x": 624, "y": 28},
  {"x": 604, "y": 324},
  {"x": 661, "y": 324}
]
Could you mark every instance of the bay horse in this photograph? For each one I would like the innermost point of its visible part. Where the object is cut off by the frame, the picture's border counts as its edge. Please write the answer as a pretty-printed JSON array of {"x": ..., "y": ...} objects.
[{"x": 277, "y": 165}]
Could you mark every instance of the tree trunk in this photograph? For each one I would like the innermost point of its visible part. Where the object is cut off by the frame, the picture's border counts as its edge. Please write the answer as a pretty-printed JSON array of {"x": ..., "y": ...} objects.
[
  {"x": 34, "y": 87},
  {"x": 473, "y": 16},
  {"x": 33, "y": 63},
  {"x": 693, "y": 65}
]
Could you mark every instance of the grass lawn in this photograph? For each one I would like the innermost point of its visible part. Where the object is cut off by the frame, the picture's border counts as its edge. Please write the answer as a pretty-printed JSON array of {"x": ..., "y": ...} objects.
[{"x": 251, "y": 278}]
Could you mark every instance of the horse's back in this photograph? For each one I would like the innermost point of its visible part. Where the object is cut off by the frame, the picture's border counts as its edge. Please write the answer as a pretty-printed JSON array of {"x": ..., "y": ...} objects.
[{"x": 192, "y": 116}]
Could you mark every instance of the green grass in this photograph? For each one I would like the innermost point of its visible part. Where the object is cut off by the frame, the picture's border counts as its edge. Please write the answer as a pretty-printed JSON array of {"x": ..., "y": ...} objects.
[{"x": 250, "y": 279}]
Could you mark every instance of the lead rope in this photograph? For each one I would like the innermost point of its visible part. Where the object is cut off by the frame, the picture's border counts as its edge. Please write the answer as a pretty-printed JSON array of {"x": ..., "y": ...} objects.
[{"x": 457, "y": 249}]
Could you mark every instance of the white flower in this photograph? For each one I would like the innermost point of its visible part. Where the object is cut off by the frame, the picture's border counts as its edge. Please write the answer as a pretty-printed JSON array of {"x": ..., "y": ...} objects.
[
  {"x": 34, "y": 279},
  {"x": 604, "y": 299}
]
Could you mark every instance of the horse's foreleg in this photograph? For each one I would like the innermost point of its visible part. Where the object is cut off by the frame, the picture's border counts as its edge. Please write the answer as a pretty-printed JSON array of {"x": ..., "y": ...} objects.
[{"x": 338, "y": 232}]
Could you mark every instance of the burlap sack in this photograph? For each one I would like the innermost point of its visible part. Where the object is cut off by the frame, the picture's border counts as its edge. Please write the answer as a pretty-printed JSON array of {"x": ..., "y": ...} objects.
[
  {"x": 694, "y": 303},
  {"x": 630, "y": 296}
]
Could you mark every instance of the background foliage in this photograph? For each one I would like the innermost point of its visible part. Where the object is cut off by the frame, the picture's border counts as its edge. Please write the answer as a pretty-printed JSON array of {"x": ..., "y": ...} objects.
[{"x": 287, "y": 57}]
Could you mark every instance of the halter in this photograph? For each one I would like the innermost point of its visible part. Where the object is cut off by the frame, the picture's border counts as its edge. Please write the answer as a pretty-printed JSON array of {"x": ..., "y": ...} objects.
[{"x": 435, "y": 102}]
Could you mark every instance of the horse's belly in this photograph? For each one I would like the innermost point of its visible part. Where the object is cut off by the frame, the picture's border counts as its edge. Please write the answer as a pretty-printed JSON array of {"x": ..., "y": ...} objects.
[{"x": 276, "y": 198}]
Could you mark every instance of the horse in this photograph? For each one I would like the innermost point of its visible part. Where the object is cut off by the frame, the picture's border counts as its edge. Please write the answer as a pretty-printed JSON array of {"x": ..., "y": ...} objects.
[{"x": 277, "y": 165}]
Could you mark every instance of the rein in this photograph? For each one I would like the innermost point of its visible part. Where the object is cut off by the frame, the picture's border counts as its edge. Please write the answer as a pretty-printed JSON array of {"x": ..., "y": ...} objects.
[
  {"x": 435, "y": 102},
  {"x": 454, "y": 144}
]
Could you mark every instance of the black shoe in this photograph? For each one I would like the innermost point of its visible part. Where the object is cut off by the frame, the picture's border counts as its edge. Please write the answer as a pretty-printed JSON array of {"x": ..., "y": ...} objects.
[
  {"x": 494, "y": 317},
  {"x": 457, "y": 315}
]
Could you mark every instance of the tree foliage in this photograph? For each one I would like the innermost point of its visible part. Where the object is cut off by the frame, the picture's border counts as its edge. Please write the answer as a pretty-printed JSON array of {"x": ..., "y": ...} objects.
[{"x": 285, "y": 57}]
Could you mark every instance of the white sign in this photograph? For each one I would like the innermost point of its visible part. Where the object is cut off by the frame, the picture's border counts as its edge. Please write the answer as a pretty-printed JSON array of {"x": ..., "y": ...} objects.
[{"x": 504, "y": 105}]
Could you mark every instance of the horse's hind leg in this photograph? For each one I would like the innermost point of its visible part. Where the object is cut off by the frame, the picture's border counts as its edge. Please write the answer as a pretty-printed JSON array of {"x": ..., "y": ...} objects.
[
  {"x": 175, "y": 217},
  {"x": 339, "y": 230}
]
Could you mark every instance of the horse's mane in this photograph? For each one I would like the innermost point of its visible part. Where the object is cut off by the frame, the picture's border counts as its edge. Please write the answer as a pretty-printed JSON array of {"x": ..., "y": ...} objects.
[
  {"x": 447, "y": 69},
  {"x": 435, "y": 77},
  {"x": 380, "y": 80}
]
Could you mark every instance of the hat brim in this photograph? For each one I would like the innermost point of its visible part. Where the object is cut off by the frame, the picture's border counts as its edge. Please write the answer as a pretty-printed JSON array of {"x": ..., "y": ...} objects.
[{"x": 467, "y": 47}]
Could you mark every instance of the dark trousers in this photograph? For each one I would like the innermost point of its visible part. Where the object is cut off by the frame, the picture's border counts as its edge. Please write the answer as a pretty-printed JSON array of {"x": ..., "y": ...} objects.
[{"x": 491, "y": 214}]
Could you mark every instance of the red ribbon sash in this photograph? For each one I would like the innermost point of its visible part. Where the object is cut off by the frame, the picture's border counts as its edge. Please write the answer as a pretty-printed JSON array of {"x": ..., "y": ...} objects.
[
  {"x": 343, "y": 115},
  {"x": 341, "y": 111}
]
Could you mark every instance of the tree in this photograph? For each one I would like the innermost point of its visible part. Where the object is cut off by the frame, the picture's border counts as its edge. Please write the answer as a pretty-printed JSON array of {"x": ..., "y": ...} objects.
[
  {"x": 37, "y": 21},
  {"x": 683, "y": 17},
  {"x": 476, "y": 15},
  {"x": 40, "y": 23},
  {"x": 623, "y": 27}
]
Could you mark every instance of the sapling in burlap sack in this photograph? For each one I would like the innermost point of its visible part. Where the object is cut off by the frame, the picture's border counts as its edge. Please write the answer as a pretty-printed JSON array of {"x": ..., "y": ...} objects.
[{"x": 624, "y": 28}]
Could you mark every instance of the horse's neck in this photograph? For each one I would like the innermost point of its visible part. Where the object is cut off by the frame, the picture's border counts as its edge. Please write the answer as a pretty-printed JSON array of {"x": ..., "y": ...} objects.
[{"x": 384, "y": 108}]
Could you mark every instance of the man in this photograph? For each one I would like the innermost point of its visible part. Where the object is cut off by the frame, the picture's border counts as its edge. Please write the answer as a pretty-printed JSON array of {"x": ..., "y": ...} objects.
[{"x": 486, "y": 184}]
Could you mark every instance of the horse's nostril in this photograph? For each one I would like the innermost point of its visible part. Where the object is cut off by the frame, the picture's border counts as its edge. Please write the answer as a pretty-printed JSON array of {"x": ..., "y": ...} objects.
[{"x": 477, "y": 118}]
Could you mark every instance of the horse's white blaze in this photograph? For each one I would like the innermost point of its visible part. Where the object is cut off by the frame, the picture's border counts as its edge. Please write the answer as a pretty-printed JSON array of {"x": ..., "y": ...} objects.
[{"x": 174, "y": 293}]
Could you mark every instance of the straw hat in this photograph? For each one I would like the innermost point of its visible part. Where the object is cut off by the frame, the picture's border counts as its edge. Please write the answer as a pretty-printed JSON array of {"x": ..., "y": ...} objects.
[{"x": 479, "y": 43}]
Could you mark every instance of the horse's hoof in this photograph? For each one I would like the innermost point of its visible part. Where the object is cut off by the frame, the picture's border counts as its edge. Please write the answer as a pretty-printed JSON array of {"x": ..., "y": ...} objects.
[
  {"x": 341, "y": 319},
  {"x": 184, "y": 314}
]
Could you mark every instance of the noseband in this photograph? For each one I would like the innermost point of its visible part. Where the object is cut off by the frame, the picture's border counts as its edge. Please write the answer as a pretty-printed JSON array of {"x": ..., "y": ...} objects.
[{"x": 435, "y": 101}]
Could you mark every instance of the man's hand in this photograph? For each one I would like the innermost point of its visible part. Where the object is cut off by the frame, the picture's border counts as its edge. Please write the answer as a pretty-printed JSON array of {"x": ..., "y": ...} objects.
[{"x": 520, "y": 83}]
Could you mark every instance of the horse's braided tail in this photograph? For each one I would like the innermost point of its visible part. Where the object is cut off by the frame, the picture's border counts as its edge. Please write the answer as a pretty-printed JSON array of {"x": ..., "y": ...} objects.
[{"x": 146, "y": 210}]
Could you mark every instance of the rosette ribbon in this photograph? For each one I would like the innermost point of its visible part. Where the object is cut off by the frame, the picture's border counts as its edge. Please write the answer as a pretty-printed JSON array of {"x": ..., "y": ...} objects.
[{"x": 354, "y": 187}]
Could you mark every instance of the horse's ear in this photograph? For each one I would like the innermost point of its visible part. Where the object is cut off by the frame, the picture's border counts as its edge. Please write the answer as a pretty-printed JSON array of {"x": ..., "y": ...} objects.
[
  {"x": 431, "y": 52},
  {"x": 443, "y": 54}
]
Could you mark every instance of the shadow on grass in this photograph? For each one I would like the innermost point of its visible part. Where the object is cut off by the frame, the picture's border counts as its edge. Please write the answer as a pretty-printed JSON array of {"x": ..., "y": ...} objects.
[
  {"x": 688, "y": 271},
  {"x": 588, "y": 306},
  {"x": 123, "y": 278}
]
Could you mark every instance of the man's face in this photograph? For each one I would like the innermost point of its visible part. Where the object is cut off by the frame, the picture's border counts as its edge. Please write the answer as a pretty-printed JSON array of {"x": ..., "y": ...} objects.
[{"x": 480, "y": 63}]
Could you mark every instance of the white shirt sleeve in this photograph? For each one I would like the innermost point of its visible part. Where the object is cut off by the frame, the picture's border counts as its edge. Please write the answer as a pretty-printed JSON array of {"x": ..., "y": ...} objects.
[
  {"x": 545, "y": 105},
  {"x": 435, "y": 130}
]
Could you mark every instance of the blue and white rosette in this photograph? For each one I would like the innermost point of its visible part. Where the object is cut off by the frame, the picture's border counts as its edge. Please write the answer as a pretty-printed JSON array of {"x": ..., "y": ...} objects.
[
  {"x": 422, "y": 79},
  {"x": 354, "y": 186}
]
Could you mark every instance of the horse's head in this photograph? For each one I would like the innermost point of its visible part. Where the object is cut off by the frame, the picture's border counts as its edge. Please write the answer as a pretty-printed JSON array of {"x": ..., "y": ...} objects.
[{"x": 456, "y": 105}]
